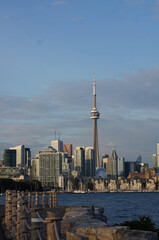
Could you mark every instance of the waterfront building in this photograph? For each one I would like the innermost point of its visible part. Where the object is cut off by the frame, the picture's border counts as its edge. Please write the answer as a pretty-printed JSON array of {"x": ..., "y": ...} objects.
[
  {"x": 121, "y": 167},
  {"x": 149, "y": 173},
  {"x": 9, "y": 158},
  {"x": 135, "y": 185},
  {"x": 124, "y": 185},
  {"x": 150, "y": 185},
  {"x": 99, "y": 185},
  {"x": 95, "y": 116},
  {"x": 12, "y": 172},
  {"x": 19, "y": 155},
  {"x": 58, "y": 145},
  {"x": 79, "y": 161},
  {"x": 112, "y": 185}
]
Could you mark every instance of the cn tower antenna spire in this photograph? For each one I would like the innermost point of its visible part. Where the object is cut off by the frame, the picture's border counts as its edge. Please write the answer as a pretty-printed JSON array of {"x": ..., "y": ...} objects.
[
  {"x": 94, "y": 85},
  {"x": 95, "y": 115}
]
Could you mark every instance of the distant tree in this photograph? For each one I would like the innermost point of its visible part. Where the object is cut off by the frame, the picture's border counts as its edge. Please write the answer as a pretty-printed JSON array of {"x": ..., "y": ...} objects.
[
  {"x": 21, "y": 185},
  {"x": 143, "y": 223}
]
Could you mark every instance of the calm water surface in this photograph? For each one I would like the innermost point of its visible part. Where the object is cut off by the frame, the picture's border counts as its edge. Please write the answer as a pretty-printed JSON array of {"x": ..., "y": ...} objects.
[{"x": 118, "y": 207}]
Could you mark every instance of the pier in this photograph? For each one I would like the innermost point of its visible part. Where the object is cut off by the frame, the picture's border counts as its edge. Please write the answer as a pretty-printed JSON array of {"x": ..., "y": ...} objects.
[{"x": 28, "y": 218}]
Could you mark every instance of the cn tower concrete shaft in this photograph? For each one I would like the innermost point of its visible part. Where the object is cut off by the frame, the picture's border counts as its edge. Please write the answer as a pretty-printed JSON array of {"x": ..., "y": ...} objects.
[{"x": 95, "y": 115}]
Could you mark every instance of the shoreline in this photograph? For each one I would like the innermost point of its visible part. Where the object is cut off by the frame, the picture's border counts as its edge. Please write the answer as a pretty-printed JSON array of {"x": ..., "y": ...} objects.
[{"x": 157, "y": 191}]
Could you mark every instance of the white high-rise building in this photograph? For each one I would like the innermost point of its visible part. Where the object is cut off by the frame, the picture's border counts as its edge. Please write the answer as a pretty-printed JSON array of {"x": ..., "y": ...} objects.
[
  {"x": 89, "y": 162},
  {"x": 58, "y": 145},
  {"x": 84, "y": 161},
  {"x": 79, "y": 161},
  {"x": 19, "y": 155},
  {"x": 50, "y": 168}
]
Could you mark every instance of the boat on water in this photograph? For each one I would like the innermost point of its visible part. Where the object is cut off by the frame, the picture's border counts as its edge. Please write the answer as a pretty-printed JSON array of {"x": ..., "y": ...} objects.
[{"x": 79, "y": 191}]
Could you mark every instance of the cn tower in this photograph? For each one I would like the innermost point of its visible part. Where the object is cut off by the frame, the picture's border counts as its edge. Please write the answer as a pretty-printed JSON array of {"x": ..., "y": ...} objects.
[{"x": 95, "y": 115}]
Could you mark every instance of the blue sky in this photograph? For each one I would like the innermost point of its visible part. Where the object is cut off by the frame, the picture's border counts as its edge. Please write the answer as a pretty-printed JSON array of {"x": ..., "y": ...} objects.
[{"x": 48, "y": 53}]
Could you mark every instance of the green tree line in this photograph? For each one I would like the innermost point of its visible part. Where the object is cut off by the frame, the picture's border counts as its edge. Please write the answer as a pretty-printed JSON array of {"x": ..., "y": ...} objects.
[{"x": 21, "y": 185}]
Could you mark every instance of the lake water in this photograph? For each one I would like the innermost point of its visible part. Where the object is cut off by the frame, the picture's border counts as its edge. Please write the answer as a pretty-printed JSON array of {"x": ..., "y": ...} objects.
[{"x": 118, "y": 207}]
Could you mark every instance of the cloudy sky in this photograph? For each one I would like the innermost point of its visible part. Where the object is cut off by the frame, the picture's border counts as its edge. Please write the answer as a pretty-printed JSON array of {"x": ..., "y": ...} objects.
[{"x": 48, "y": 52}]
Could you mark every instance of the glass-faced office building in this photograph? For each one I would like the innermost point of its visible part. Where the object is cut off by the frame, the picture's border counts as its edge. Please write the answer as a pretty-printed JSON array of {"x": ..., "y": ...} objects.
[{"x": 9, "y": 158}]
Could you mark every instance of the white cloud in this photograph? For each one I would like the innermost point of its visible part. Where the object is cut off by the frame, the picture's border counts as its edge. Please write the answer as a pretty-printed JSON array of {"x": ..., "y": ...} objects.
[
  {"x": 77, "y": 18},
  {"x": 135, "y": 1},
  {"x": 56, "y": 3},
  {"x": 5, "y": 17}
]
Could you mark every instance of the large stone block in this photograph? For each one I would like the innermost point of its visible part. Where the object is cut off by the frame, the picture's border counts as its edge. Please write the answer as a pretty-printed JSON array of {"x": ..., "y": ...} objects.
[
  {"x": 140, "y": 235},
  {"x": 89, "y": 232},
  {"x": 112, "y": 233},
  {"x": 67, "y": 225},
  {"x": 75, "y": 236}
]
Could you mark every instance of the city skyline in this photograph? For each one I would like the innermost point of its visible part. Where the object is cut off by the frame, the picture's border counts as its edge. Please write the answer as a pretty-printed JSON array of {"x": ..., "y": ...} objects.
[{"x": 49, "y": 51}]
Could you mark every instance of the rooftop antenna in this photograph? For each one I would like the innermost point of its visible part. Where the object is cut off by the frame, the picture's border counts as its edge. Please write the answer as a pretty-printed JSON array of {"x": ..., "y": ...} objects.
[{"x": 59, "y": 135}]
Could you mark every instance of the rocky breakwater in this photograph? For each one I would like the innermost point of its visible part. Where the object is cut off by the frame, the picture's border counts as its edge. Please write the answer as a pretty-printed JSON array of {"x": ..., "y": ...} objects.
[{"x": 83, "y": 223}]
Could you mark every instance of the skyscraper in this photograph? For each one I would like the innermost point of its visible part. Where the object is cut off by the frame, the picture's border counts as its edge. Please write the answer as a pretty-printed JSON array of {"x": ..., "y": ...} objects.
[
  {"x": 58, "y": 145},
  {"x": 68, "y": 148},
  {"x": 79, "y": 161},
  {"x": 9, "y": 158},
  {"x": 89, "y": 162},
  {"x": 121, "y": 166},
  {"x": 157, "y": 155},
  {"x": 19, "y": 155},
  {"x": 113, "y": 159},
  {"x": 154, "y": 160},
  {"x": 105, "y": 159},
  {"x": 50, "y": 167},
  {"x": 95, "y": 115}
]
